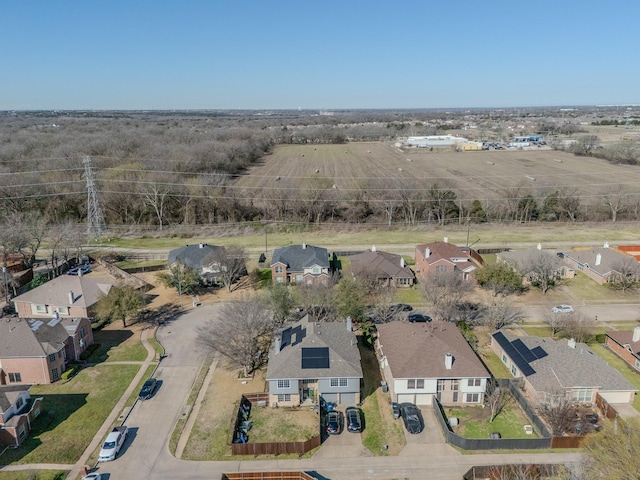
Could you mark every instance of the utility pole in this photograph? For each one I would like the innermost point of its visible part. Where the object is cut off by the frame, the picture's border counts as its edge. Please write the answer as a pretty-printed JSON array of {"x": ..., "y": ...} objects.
[
  {"x": 95, "y": 219},
  {"x": 6, "y": 284}
]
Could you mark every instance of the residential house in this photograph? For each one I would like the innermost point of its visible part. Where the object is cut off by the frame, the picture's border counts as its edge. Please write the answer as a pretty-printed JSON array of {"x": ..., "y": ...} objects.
[
  {"x": 37, "y": 350},
  {"x": 207, "y": 260},
  {"x": 301, "y": 264},
  {"x": 603, "y": 264},
  {"x": 548, "y": 366},
  {"x": 425, "y": 360},
  {"x": 68, "y": 296},
  {"x": 626, "y": 345},
  {"x": 444, "y": 258},
  {"x": 521, "y": 260},
  {"x": 384, "y": 268},
  {"x": 310, "y": 359},
  {"x": 17, "y": 412}
]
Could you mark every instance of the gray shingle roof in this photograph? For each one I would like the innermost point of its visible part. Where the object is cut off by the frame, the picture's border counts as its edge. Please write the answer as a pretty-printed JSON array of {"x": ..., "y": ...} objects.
[
  {"x": 18, "y": 340},
  {"x": 344, "y": 356},
  {"x": 566, "y": 367},
  {"x": 382, "y": 264},
  {"x": 9, "y": 394},
  {"x": 610, "y": 259},
  {"x": 299, "y": 257},
  {"x": 86, "y": 291},
  {"x": 417, "y": 350},
  {"x": 197, "y": 256}
]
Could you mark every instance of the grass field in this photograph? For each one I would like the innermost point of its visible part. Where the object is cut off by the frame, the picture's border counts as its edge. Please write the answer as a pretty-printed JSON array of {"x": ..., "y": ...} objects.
[
  {"x": 34, "y": 475},
  {"x": 474, "y": 421}
]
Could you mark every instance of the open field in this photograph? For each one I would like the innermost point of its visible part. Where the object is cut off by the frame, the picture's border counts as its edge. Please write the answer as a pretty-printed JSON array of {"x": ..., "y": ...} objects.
[{"x": 487, "y": 175}]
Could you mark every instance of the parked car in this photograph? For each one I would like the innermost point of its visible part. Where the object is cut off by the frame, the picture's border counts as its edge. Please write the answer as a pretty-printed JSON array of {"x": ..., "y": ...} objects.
[
  {"x": 412, "y": 418},
  {"x": 352, "y": 415},
  {"x": 80, "y": 270},
  {"x": 562, "y": 309},
  {"x": 400, "y": 307},
  {"x": 113, "y": 444},
  {"x": 418, "y": 317},
  {"x": 93, "y": 476},
  {"x": 147, "y": 389},
  {"x": 334, "y": 422}
]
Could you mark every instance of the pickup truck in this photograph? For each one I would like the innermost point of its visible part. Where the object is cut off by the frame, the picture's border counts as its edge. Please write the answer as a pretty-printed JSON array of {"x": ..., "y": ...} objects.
[{"x": 113, "y": 444}]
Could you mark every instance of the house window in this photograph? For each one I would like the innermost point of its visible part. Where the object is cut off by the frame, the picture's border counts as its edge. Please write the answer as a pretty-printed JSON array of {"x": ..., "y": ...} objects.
[
  {"x": 411, "y": 384},
  {"x": 19, "y": 403},
  {"x": 308, "y": 381},
  {"x": 404, "y": 281},
  {"x": 284, "y": 397},
  {"x": 41, "y": 308},
  {"x": 420, "y": 383},
  {"x": 279, "y": 280},
  {"x": 582, "y": 395},
  {"x": 339, "y": 382},
  {"x": 441, "y": 268},
  {"x": 62, "y": 310},
  {"x": 316, "y": 270},
  {"x": 298, "y": 277},
  {"x": 514, "y": 371},
  {"x": 637, "y": 362},
  {"x": 54, "y": 374},
  {"x": 472, "y": 398},
  {"x": 22, "y": 432},
  {"x": 440, "y": 385},
  {"x": 15, "y": 377},
  {"x": 278, "y": 269},
  {"x": 36, "y": 412},
  {"x": 455, "y": 397},
  {"x": 284, "y": 384},
  {"x": 455, "y": 384},
  {"x": 52, "y": 357},
  {"x": 504, "y": 359},
  {"x": 473, "y": 382}
]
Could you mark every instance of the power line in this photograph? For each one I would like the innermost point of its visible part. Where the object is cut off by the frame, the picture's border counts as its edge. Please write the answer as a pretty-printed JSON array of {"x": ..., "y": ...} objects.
[{"x": 95, "y": 219}]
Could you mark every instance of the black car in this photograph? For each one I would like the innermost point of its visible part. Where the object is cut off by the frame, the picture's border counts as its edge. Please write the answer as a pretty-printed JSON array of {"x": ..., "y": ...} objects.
[
  {"x": 418, "y": 317},
  {"x": 334, "y": 424},
  {"x": 412, "y": 418},
  {"x": 400, "y": 307},
  {"x": 147, "y": 389},
  {"x": 352, "y": 415}
]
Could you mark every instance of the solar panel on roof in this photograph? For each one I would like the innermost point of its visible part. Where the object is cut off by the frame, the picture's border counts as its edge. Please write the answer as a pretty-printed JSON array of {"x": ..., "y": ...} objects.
[
  {"x": 539, "y": 352},
  {"x": 298, "y": 334},
  {"x": 515, "y": 356},
  {"x": 36, "y": 325},
  {"x": 286, "y": 338},
  {"x": 315, "y": 357},
  {"x": 523, "y": 350}
]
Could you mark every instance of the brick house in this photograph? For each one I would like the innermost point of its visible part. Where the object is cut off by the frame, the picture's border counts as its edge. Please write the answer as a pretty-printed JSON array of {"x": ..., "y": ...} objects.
[
  {"x": 68, "y": 296},
  {"x": 310, "y": 359},
  {"x": 17, "y": 412},
  {"x": 444, "y": 258},
  {"x": 37, "y": 350},
  {"x": 387, "y": 269},
  {"x": 600, "y": 264},
  {"x": 626, "y": 345},
  {"x": 301, "y": 264},
  {"x": 420, "y": 361}
]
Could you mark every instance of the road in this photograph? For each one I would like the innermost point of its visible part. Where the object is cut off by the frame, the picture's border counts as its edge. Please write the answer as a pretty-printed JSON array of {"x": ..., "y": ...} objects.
[
  {"x": 602, "y": 313},
  {"x": 146, "y": 453}
]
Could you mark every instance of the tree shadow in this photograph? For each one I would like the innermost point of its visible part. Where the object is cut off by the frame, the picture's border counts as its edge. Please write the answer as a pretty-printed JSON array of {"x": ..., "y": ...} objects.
[
  {"x": 163, "y": 315},
  {"x": 370, "y": 369},
  {"x": 106, "y": 340}
]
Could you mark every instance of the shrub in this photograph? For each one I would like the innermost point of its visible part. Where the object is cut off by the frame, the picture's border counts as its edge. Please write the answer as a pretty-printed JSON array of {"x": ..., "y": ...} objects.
[
  {"x": 70, "y": 372},
  {"x": 90, "y": 349}
]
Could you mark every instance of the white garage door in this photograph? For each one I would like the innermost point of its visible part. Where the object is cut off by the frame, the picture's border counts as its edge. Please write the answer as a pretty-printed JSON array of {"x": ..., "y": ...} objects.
[
  {"x": 424, "y": 399},
  {"x": 406, "y": 397},
  {"x": 347, "y": 398},
  {"x": 330, "y": 397}
]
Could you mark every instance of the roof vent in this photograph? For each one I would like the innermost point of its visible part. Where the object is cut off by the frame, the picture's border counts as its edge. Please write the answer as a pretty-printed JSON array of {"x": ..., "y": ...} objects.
[
  {"x": 636, "y": 334},
  {"x": 598, "y": 259},
  {"x": 71, "y": 298},
  {"x": 446, "y": 239},
  {"x": 373, "y": 248},
  {"x": 571, "y": 342}
]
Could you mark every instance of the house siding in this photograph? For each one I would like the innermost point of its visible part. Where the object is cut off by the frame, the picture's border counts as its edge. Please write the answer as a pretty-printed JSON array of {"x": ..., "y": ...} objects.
[
  {"x": 352, "y": 387},
  {"x": 32, "y": 370},
  {"x": 622, "y": 352}
]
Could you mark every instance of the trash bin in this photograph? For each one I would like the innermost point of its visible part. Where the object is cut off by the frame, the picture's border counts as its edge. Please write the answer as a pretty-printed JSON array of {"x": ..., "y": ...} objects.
[
  {"x": 385, "y": 387},
  {"x": 395, "y": 408}
]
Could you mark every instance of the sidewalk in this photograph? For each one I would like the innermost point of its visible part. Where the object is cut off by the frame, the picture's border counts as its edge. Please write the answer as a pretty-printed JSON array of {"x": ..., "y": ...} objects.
[{"x": 119, "y": 407}]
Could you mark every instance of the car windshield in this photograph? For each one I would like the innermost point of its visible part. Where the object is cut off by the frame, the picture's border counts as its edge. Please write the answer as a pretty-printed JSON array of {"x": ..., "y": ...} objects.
[{"x": 109, "y": 445}]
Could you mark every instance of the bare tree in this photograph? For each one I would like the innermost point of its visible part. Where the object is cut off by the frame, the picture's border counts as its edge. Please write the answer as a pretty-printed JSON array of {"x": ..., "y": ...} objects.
[
  {"x": 232, "y": 262},
  {"x": 501, "y": 313},
  {"x": 496, "y": 398},
  {"x": 318, "y": 300},
  {"x": 154, "y": 195},
  {"x": 614, "y": 452},
  {"x": 121, "y": 303},
  {"x": 556, "y": 321},
  {"x": 617, "y": 203},
  {"x": 445, "y": 292},
  {"x": 542, "y": 269},
  {"x": 241, "y": 332},
  {"x": 559, "y": 411},
  {"x": 584, "y": 144},
  {"x": 569, "y": 203},
  {"x": 626, "y": 275},
  {"x": 579, "y": 327},
  {"x": 64, "y": 241}
]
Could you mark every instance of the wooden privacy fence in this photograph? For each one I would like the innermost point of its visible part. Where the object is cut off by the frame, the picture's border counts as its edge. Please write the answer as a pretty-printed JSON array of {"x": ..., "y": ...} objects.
[
  {"x": 267, "y": 476},
  {"x": 606, "y": 409},
  {"x": 257, "y": 398},
  {"x": 275, "y": 448}
]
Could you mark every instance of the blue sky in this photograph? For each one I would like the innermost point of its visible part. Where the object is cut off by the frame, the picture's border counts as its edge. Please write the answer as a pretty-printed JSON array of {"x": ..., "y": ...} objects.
[{"x": 326, "y": 54}]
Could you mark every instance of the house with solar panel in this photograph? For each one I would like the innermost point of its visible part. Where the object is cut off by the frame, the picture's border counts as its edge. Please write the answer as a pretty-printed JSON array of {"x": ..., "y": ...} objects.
[
  {"x": 37, "y": 350},
  {"x": 309, "y": 360},
  {"x": 302, "y": 264},
  {"x": 548, "y": 366}
]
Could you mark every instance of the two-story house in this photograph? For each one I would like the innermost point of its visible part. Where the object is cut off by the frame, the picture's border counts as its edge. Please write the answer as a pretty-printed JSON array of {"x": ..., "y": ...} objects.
[
  {"x": 425, "y": 360},
  {"x": 206, "y": 260},
  {"x": 310, "y": 359},
  {"x": 301, "y": 264},
  {"x": 17, "y": 412},
  {"x": 444, "y": 258}
]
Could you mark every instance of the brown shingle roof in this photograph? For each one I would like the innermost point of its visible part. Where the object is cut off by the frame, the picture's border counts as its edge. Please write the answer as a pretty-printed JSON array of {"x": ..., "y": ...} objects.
[
  {"x": 86, "y": 291},
  {"x": 382, "y": 264},
  {"x": 625, "y": 338},
  {"x": 417, "y": 350}
]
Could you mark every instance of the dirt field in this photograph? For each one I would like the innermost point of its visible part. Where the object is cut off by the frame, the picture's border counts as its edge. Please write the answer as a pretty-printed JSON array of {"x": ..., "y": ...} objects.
[{"x": 377, "y": 167}]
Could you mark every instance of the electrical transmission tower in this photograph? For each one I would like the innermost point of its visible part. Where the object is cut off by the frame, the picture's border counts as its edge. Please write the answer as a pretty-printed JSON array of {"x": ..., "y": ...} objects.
[{"x": 95, "y": 220}]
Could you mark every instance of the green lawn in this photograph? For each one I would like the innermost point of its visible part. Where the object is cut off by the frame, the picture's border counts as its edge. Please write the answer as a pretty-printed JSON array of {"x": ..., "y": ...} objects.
[
  {"x": 620, "y": 365},
  {"x": 33, "y": 475},
  {"x": 117, "y": 346},
  {"x": 412, "y": 296},
  {"x": 474, "y": 421},
  {"x": 71, "y": 414},
  {"x": 494, "y": 364}
]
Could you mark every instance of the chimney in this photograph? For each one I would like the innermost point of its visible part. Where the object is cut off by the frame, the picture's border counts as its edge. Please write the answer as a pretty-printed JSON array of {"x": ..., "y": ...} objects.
[
  {"x": 278, "y": 340},
  {"x": 373, "y": 248},
  {"x": 201, "y": 245},
  {"x": 349, "y": 324},
  {"x": 446, "y": 239},
  {"x": 448, "y": 361},
  {"x": 402, "y": 264},
  {"x": 571, "y": 343},
  {"x": 427, "y": 252},
  {"x": 598, "y": 259},
  {"x": 539, "y": 247},
  {"x": 636, "y": 334},
  {"x": 606, "y": 244},
  {"x": 71, "y": 298},
  {"x": 304, "y": 246}
]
